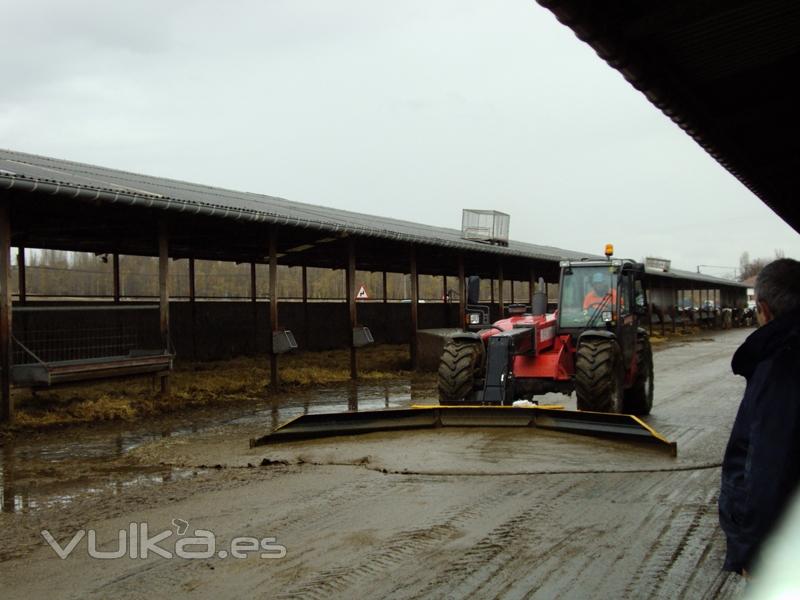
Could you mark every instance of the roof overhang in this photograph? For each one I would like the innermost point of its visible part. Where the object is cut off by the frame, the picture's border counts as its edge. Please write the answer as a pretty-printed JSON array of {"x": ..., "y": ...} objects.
[{"x": 720, "y": 69}]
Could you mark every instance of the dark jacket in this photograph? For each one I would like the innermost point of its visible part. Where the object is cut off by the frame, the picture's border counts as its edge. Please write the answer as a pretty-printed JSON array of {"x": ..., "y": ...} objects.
[{"x": 761, "y": 467}]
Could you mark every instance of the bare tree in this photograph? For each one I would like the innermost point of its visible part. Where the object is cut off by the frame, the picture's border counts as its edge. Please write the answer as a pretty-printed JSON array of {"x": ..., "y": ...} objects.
[{"x": 749, "y": 267}]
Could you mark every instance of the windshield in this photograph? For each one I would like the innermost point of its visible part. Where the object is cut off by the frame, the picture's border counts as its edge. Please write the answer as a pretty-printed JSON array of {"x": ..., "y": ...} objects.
[{"x": 586, "y": 293}]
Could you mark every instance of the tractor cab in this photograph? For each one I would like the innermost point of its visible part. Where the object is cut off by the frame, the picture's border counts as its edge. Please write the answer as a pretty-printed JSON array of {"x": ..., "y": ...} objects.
[{"x": 602, "y": 296}]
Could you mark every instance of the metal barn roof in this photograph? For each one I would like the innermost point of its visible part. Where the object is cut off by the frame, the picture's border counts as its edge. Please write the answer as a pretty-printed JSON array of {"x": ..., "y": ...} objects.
[
  {"x": 19, "y": 171},
  {"x": 110, "y": 191}
]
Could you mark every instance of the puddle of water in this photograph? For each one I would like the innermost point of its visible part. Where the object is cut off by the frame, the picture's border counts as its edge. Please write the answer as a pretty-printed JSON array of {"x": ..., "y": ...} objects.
[{"x": 101, "y": 450}]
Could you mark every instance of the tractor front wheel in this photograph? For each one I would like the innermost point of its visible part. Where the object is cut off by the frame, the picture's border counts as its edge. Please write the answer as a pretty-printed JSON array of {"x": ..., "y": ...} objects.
[
  {"x": 599, "y": 376},
  {"x": 459, "y": 369},
  {"x": 639, "y": 398}
]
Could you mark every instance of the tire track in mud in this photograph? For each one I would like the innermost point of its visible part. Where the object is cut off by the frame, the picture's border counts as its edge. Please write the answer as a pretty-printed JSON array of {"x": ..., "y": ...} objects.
[
  {"x": 490, "y": 554},
  {"x": 403, "y": 547},
  {"x": 682, "y": 540}
]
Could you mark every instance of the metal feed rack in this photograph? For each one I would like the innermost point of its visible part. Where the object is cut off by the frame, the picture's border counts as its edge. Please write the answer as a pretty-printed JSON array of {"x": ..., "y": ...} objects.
[{"x": 72, "y": 356}]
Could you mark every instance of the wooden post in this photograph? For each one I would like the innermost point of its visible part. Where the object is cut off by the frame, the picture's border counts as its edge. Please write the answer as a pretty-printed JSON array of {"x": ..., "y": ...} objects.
[
  {"x": 414, "y": 307},
  {"x": 115, "y": 292},
  {"x": 193, "y": 306},
  {"x": 253, "y": 298},
  {"x": 500, "y": 282},
  {"x": 163, "y": 291},
  {"x": 512, "y": 292},
  {"x": 23, "y": 286},
  {"x": 7, "y": 407},
  {"x": 462, "y": 293},
  {"x": 350, "y": 294},
  {"x": 304, "y": 285},
  {"x": 674, "y": 305},
  {"x": 445, "y": 302},
  {"x": 386, "y": 319},
  {"x": 273, "y": 303},
  {"x": 117, "y": 286}
]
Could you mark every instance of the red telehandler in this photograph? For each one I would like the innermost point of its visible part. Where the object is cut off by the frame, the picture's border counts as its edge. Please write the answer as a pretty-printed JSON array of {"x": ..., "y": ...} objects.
[{"x": 591, "y": 344}]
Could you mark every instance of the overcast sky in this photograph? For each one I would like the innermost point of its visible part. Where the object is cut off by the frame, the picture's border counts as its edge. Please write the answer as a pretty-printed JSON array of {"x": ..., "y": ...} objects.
[{"x": 413, "y": 109}]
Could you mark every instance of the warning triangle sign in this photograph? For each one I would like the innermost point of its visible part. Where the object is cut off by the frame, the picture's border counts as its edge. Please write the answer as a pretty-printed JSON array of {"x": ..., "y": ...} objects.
[{"x": 362, "y": 294}]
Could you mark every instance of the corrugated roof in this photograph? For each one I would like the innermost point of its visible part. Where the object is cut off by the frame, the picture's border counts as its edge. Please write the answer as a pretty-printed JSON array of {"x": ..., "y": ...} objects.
[
  {"x": 698, "y": 277},
  {"x": 71, "y": 180}
]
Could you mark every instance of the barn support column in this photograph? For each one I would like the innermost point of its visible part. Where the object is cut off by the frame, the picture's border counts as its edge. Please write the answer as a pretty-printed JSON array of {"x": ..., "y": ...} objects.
[
  {"x": 385, "y": 311},
  {"x": 462, "y": 293},
  {"x": 117, "y": 292},
  {"x": 193, "y": 307},
  {"x": 414, "y": 308},
  {"x": 531, "y": 288},
  {"x": 163, "y": 295},
  {"x": 273, "y": 304},
  {"x": 304, "y": 285},
  {"x": 350, "y": 282},
  {"x": 23, "y": 287},
  {"x": 253, "y": 297},
  {"x": 7, "y": 407},
  {"x": 445, "y": 301},
  {"x": 674, "y": 305}
]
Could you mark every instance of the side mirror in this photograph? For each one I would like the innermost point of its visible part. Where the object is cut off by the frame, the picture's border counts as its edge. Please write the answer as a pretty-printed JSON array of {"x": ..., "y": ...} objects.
[{"x": 473, "y": 289}]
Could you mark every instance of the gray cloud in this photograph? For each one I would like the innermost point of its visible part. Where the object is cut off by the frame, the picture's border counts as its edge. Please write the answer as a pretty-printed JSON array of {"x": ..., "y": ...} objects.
[{"x": 410, "y": 109}]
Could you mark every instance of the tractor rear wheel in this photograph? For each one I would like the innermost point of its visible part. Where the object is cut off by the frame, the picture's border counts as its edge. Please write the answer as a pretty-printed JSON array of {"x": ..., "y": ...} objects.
[
  {"x": 639, "y": 398},
  {"x": 459, "y": 368},
  {"x": 599, "y": 376}
]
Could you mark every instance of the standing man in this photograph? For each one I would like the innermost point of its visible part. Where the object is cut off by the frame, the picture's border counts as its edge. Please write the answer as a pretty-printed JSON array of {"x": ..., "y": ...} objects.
[{"x": 761, "y": 468}]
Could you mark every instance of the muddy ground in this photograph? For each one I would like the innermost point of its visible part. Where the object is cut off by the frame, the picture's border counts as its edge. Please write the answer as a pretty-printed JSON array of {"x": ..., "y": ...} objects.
[{"x": 444, "y": 513}]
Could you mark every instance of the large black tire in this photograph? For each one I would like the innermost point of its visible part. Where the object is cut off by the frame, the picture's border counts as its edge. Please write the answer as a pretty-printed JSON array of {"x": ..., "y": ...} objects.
[
  {"x": 459, "y": 369},
  {"x": 639, "y": 398},
  {"x": 599, "y": 376}
]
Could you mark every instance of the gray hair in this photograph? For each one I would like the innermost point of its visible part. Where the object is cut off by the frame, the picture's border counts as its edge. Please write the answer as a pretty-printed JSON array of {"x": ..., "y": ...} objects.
[{"x": 778, "y": 285}]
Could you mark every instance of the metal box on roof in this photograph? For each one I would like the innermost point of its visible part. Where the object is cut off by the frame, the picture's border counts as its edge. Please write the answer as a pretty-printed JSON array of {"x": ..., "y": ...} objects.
[
  {"x": 488, "y": 226},
  {"x": 661, "y": 264}
]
